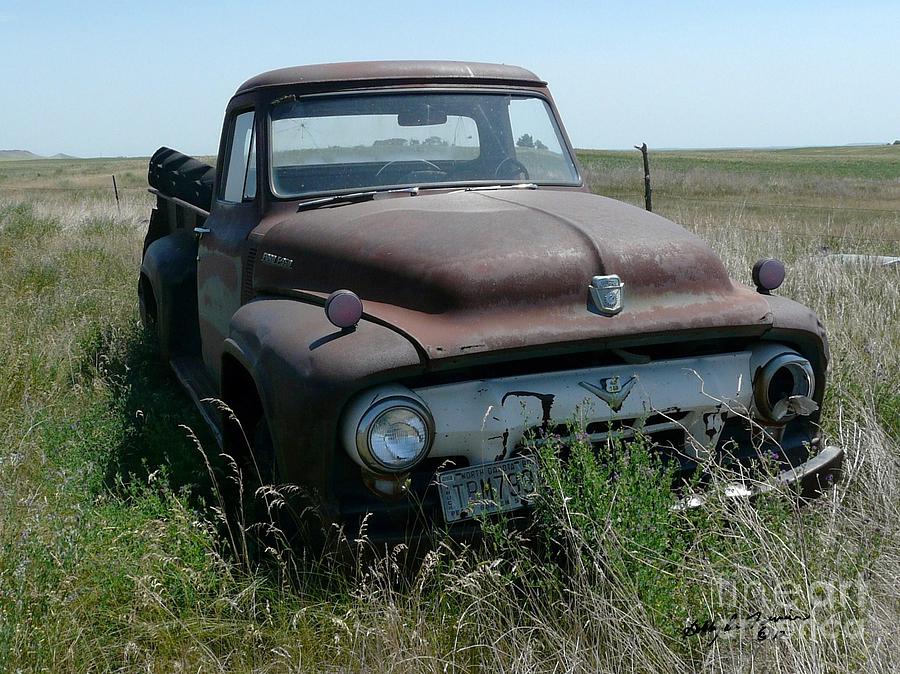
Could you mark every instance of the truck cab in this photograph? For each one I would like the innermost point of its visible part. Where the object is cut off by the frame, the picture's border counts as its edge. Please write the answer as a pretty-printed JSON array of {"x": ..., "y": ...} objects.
[{"x": 395, "y": 276}]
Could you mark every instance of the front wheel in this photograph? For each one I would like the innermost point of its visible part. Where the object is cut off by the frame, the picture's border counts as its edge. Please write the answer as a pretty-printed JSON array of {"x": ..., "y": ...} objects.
[
  {"x": 279, "y": 511},
  {"x": 263, "y": 453}
]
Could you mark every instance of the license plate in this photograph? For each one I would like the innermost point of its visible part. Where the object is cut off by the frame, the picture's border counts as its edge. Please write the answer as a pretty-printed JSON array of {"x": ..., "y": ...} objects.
[{"x": 489, "y": 488}]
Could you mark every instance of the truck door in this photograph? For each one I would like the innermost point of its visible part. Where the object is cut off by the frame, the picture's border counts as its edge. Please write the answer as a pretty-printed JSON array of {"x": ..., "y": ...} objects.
[{"x": 224, "y": 239}]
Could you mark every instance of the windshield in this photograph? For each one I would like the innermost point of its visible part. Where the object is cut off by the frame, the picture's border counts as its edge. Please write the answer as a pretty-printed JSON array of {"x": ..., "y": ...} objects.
[{"x": 373, "y": 141}]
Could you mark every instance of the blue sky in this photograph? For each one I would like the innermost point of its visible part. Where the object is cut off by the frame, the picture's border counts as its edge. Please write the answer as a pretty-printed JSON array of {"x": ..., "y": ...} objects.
[{"x": 104, "y": 78}]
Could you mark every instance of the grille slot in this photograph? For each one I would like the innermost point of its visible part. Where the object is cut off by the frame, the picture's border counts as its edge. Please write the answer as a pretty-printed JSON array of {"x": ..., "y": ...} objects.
[
  {"x": 247, "y": 279},
  {"x": 597, "y": 431},
  {"x": 666, "y": 418},
  {"x": 604, "y": 427}
]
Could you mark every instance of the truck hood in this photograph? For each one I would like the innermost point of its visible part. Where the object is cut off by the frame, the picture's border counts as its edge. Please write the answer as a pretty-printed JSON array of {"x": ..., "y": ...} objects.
[{"x": 466, "y": 272}]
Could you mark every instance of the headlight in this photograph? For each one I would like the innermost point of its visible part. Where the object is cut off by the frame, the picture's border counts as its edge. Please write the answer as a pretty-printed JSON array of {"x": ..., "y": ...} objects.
[
  {"x": 784, "y": 387},
  {"x": 394, "y": 434}
]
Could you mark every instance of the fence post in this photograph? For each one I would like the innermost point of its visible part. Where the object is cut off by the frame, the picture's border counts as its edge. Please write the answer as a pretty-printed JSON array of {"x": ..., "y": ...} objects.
[
  {"x": 648, "y": 201},
  {"x": 116, "y": 190}
]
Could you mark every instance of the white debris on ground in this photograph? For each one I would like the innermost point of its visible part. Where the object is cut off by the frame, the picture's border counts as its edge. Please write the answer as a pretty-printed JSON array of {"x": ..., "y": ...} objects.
[{"x": 875, "y": 260}]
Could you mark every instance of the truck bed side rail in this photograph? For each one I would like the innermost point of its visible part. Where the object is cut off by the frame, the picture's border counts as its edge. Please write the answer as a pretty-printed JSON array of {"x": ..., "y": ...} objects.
[{"x": 183, "y": 177}]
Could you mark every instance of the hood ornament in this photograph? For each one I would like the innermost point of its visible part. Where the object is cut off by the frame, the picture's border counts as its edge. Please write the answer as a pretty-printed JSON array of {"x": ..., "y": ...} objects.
[{"x": 607, "y": 293}]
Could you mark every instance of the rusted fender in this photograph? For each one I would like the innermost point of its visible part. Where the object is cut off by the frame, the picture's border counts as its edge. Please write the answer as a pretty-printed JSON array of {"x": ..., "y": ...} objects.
[{"x": 305, "y": 370}]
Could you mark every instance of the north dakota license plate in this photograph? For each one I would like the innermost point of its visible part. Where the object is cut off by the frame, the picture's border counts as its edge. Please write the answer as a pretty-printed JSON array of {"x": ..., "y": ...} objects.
[{"x": 489, "y": 488}]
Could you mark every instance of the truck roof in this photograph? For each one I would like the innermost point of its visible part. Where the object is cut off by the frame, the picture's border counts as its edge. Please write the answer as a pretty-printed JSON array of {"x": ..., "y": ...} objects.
[{"x": 360, "y": 72}]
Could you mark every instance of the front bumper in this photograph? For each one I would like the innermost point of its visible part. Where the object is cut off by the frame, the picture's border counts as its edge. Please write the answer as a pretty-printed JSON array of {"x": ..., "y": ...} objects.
[
  {"x": 807, "y": 480},
  {"x": 419, "y": 523}
]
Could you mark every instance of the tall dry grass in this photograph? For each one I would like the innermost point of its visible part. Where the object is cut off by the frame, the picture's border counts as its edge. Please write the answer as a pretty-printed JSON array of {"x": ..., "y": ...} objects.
[{"x": 113, "y": 556}]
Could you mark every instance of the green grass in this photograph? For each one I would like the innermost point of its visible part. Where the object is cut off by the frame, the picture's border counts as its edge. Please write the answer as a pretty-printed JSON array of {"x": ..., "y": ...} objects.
[
  {"x": 829, "y": 199},
  {"x": 114, "y": 555},
  {"x": 877, "y": 162}
]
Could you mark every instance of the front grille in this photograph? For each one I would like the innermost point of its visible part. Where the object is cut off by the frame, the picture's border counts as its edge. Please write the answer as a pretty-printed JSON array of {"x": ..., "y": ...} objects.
[
  {"x": 663, "y": 434},
  {"x": 658, "y": 429}
]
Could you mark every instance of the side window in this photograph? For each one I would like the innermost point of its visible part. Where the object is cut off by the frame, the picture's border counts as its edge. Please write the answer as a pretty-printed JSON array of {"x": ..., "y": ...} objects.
[{"x": 240, "y": 166}]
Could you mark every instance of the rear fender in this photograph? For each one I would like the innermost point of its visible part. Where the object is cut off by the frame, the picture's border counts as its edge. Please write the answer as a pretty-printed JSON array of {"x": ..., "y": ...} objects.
[{"x": 170, "y": 267}]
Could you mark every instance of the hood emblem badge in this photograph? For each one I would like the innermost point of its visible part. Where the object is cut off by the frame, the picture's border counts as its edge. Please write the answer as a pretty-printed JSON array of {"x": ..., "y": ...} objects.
[
  {"x": 607, "y": 293},
  {"x": 611, "y": 391}
]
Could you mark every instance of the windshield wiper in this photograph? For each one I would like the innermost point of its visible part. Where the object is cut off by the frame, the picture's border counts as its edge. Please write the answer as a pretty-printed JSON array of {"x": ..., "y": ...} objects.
[
  {"x": 517, "y": 186},
  {"x": 354, "y": 197}
]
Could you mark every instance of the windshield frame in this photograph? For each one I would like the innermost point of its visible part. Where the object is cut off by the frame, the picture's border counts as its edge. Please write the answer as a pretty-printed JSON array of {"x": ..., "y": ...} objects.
[{"x": 558, "y": 128}]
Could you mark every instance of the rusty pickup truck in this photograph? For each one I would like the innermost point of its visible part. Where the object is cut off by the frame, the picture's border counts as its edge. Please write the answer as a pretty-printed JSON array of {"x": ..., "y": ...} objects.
[{"x": 395, "y": 276}]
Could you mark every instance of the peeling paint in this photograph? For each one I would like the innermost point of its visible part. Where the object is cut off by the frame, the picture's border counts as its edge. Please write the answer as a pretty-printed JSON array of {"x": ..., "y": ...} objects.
[
  {"x": 546, "y": 403},
  {"x": 505, "y": 438},
  {"x": 714, "y": 421}
]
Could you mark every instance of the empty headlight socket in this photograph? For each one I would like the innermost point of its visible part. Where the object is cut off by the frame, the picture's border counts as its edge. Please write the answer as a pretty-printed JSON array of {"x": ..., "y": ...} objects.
[{"x": 792, "y": 376}]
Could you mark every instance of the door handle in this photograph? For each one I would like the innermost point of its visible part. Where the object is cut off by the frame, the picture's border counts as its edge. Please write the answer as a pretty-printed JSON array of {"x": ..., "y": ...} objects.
[{"x": 201, "y": 230}]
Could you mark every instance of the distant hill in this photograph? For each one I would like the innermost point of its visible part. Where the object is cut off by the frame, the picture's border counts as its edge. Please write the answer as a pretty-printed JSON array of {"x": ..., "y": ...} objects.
[
  {"x": 18, "y": 154},
  {"x": 10, "y": 155}
]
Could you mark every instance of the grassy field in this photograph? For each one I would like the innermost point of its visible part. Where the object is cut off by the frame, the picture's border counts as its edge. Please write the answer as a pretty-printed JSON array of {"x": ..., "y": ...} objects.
[
  {"x": 113, "y": 556},
  {"x": 837, "y": 191}
]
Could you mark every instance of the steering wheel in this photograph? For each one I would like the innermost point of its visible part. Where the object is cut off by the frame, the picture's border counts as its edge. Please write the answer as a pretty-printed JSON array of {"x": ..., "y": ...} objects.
[
  {"x": 394, "y": 162},
  {"x": 514, "y": 164}
]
